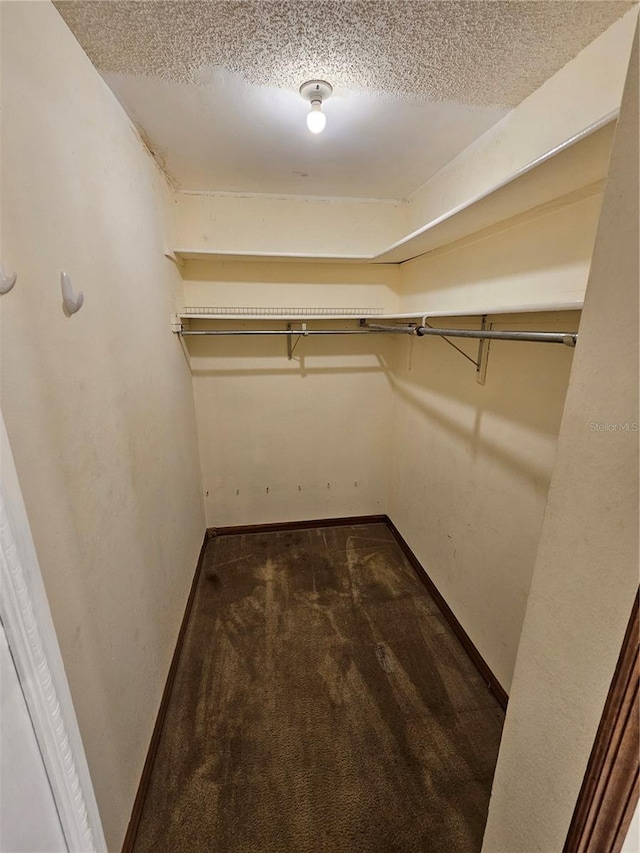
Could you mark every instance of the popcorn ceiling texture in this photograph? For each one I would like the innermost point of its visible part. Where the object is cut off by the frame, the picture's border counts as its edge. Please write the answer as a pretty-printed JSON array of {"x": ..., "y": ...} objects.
[{"x": 474, "y": 53}]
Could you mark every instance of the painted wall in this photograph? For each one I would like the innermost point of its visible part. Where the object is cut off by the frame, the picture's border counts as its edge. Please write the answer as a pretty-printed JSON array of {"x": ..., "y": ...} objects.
[
  {"x": 586, "y": 570},
  {"x": 541, "y": 256},
  {"x": 98, "y": 407},
  {"x": 632, "y": 841},
  {"x": 472, "y": 463},
  {"x": 291, "y": 284},
  {"x": 284, "y": 224},
  {"x": 288, "y": 440}
]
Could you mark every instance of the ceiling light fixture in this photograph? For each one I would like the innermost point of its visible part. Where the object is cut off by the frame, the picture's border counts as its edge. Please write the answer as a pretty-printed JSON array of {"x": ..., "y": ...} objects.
[{"x": 316, "y": 91}]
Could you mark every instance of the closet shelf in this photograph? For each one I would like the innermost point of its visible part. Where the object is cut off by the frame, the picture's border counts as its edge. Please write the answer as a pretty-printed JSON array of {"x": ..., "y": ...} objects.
[
  {"x": 220, "y": 313},
  {"x": 566, "y": 174},
  {"x": 288, "y": 314},
  {"x": 569, "y": 172},
  {"x": 182, "y": 255}
]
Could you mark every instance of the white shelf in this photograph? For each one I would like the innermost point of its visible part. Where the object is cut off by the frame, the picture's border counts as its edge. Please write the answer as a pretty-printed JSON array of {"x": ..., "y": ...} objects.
[
  {"x": 490, "y": 310},
  {"x": 301, "y": 314},
  {"x": 279, "y": 257},
  {"x": 254, "y": 313},
  {"x": 572, "y": 170}
]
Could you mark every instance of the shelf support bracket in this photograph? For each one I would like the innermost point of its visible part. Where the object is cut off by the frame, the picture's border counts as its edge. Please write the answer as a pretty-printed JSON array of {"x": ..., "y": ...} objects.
[
  {"x": 178, "y": 326},
  {"x": 171, "y": 256},
  {"x": 483, "y": 352},
  {"x": 475, "y": 363},
  {"x": 483, "y": 349},
  {"x": 291, "y": 347}
]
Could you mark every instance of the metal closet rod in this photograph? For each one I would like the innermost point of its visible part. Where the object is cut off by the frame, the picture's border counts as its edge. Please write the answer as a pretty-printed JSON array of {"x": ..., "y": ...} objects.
[
  {"x": 295, "y": 332},
  {"x": 567, "y": 338}
]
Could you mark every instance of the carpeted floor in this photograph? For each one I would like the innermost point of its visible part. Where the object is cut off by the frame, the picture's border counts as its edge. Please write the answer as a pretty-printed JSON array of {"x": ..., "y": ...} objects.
[{"x": 321, "y": 705}]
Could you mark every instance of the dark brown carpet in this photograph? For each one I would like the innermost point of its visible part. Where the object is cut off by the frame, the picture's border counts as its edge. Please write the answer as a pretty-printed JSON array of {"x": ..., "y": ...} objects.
[{"x": 321, "y": 705}]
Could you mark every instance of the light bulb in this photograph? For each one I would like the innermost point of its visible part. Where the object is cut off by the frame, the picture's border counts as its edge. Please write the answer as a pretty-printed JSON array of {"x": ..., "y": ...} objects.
[{"x": 316, "y": 119}]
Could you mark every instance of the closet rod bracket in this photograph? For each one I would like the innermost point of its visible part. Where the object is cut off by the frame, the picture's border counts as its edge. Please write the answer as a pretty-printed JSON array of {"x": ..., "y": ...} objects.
[
  {"x": 291, "y": 347},
  {"x": 396, "y": 328},
  {"x": 486, "y": 334},
  {"x": 483, "y": 353}
]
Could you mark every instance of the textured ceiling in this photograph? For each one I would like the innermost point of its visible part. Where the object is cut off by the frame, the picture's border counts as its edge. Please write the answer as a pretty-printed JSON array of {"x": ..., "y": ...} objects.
[
  {"x": 489, "y": 53},
  {"x": 213, "y": 86}
]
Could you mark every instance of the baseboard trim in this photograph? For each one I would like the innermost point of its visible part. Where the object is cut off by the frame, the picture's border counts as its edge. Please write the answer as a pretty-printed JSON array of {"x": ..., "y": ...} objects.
[
  {"x": 480, "y": 663},
  {"x": 145, "y": 778},
  {"x": 296, "y": 525}
]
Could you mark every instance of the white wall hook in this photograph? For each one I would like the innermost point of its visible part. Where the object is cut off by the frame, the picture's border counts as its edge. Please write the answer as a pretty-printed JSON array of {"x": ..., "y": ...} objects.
[
  {"x": 71, "y": 301},
  {"x": 7, "y": 280}
]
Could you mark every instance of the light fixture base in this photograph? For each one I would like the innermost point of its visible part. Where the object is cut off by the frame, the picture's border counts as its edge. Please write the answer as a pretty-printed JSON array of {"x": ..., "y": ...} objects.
[{"x": 316, "y": 90}]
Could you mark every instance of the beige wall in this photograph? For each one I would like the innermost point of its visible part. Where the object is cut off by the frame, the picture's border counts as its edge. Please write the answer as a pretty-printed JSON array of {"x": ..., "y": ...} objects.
[
  {"x": 291, "y": 284},
  {"x": 288, "y": 440},
  {"x": 535, "y": 258},
  {"x": 287, "y": 225},
  {"x": 472, "y": 463},
  {"x": 98, "y": 407},
  {"x": 586, "y": 569}
]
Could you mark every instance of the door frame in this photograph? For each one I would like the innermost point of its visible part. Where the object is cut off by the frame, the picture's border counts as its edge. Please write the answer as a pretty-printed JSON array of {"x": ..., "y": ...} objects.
[
  {"x": 609, "y": 793},
  {"x": 26, "y": 618}
]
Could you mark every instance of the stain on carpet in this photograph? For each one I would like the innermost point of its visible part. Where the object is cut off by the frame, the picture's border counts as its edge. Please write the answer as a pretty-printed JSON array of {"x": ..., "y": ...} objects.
[{"x": 321, "y": 705}]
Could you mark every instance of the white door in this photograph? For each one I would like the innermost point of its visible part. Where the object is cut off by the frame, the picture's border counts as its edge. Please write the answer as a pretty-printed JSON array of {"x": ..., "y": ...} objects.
[
  {"x": 28, "y": 816},
  {"x": 47, "y": 801}
]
